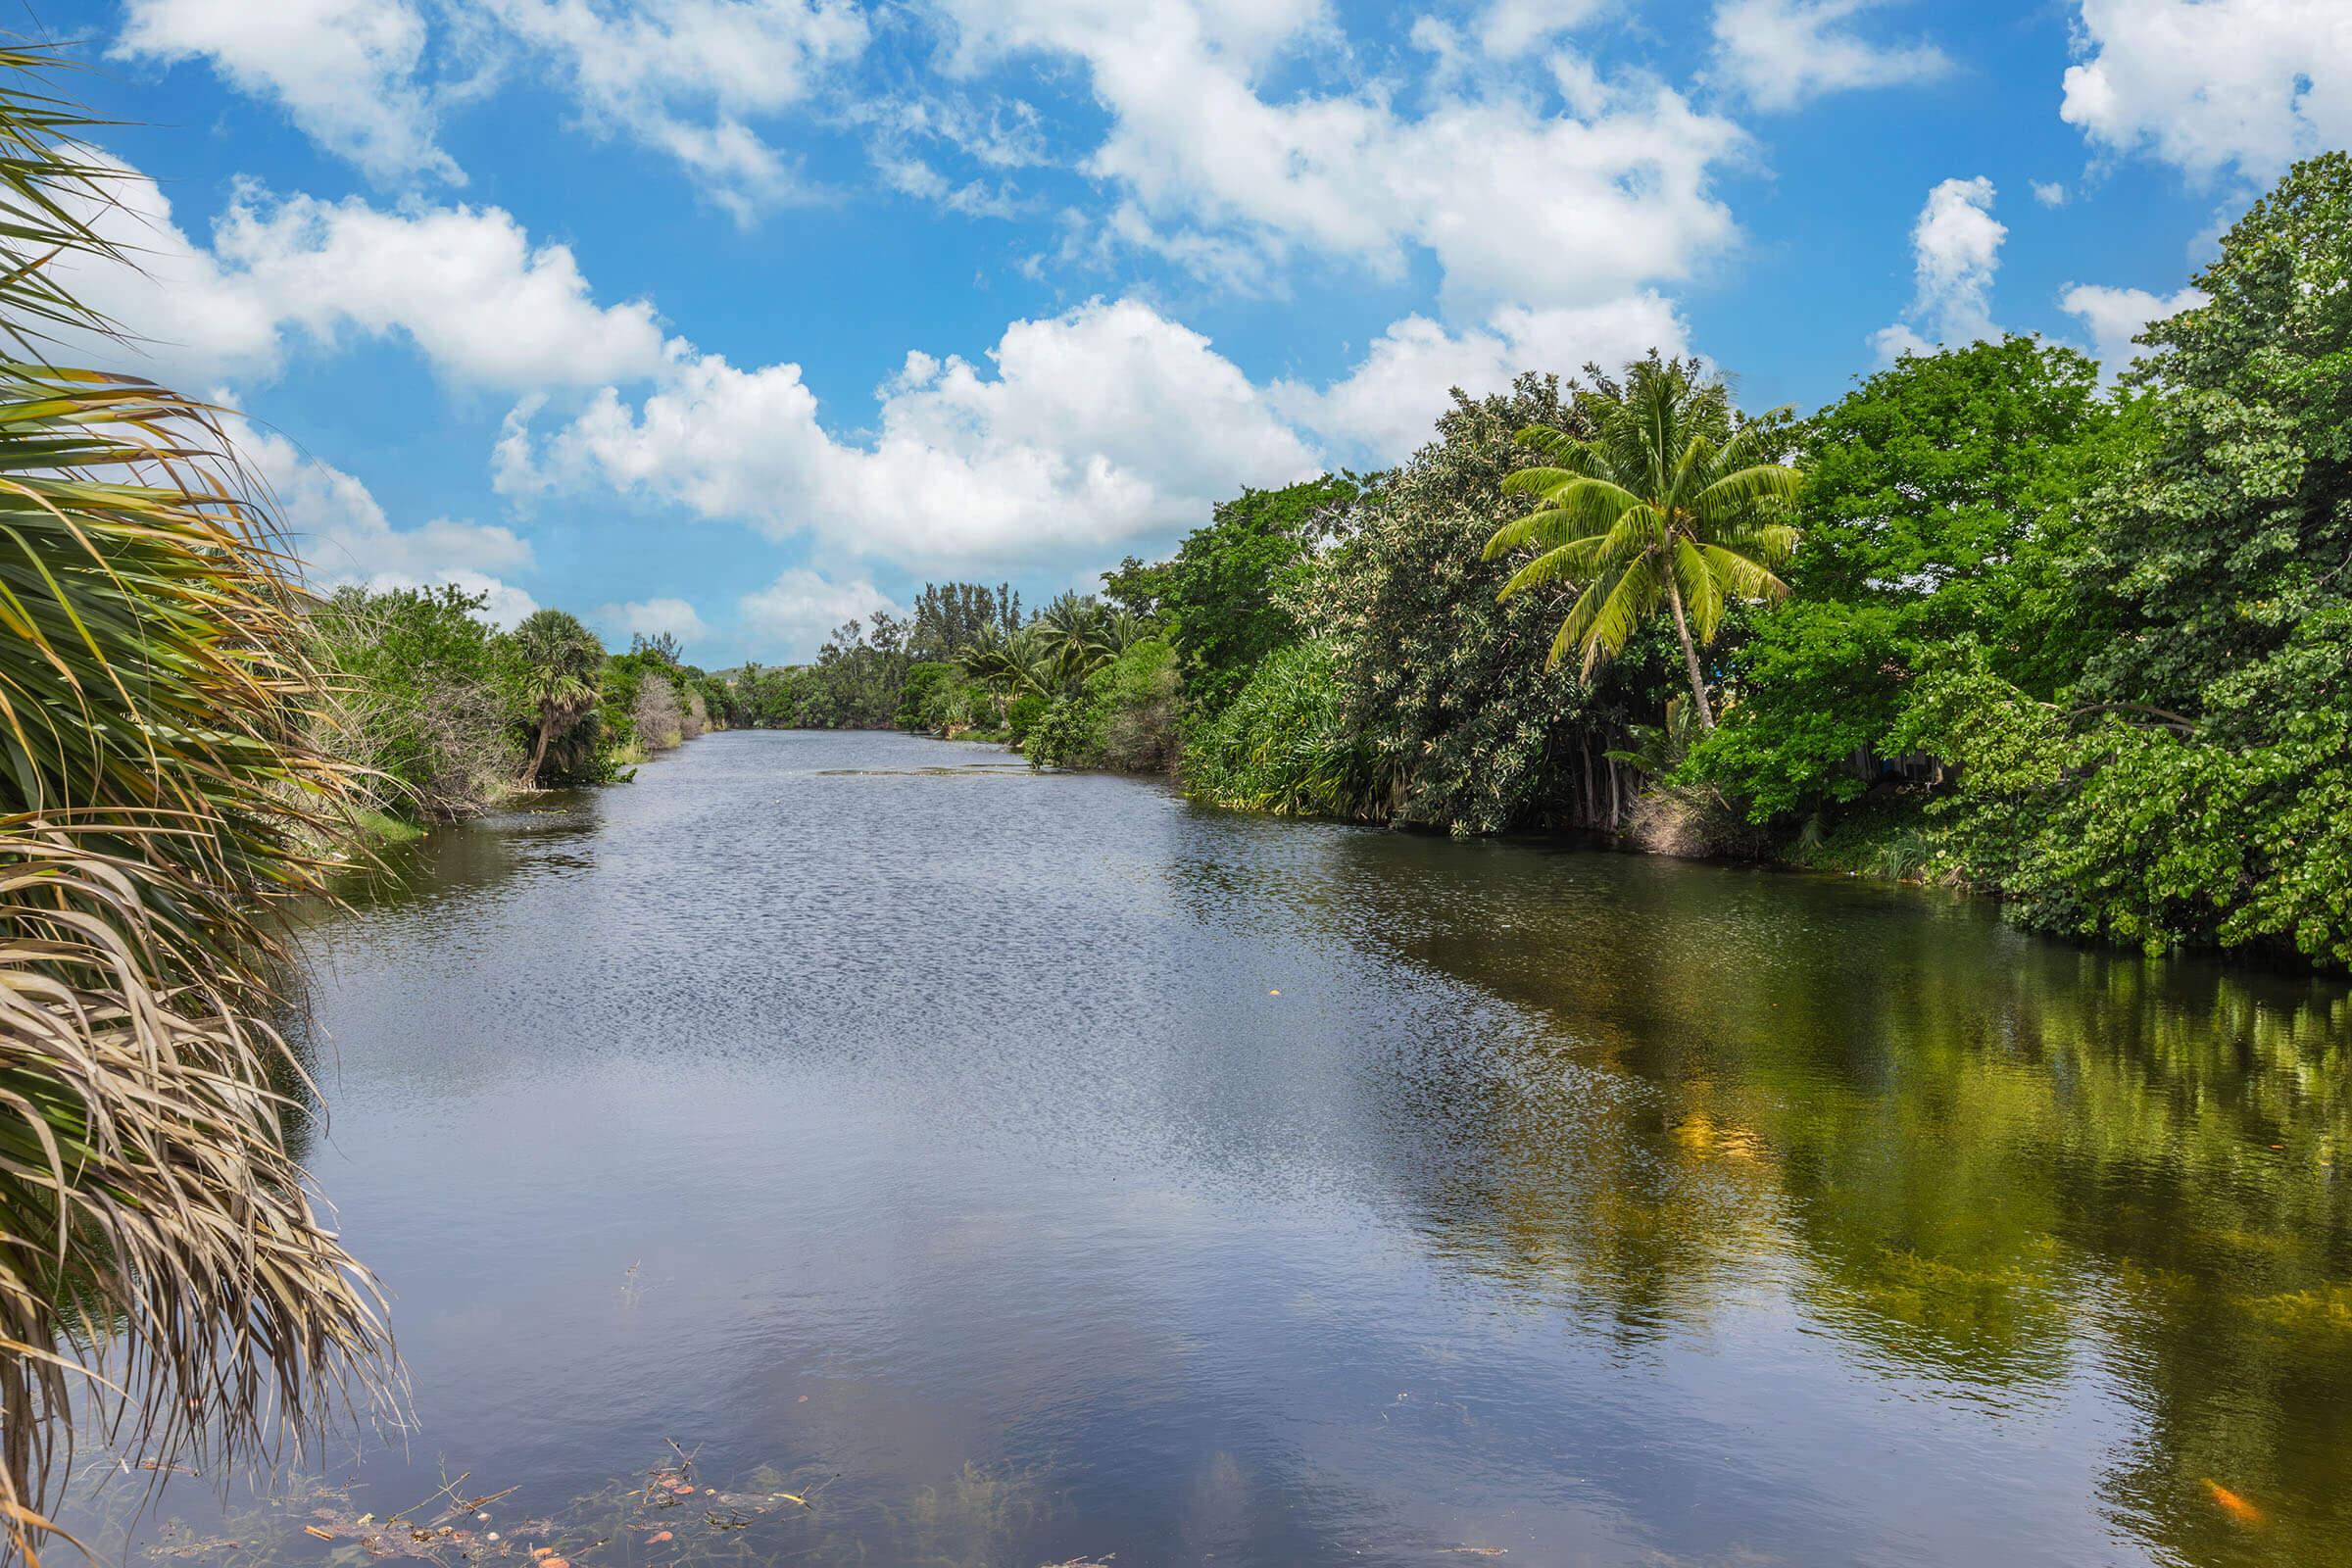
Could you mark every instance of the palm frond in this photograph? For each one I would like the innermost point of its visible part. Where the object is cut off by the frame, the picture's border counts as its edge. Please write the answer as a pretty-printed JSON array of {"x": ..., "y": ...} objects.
[{"x": 159, "y": 1247}]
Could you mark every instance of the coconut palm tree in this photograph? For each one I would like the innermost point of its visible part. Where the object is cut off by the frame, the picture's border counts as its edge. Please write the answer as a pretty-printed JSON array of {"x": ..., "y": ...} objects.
[
  {"x": 159, "y": 1254},
  {"x": 1007, "y": 663},
  {"x": 563, "y": 670},
  {"x": 1674, "y": 500}
]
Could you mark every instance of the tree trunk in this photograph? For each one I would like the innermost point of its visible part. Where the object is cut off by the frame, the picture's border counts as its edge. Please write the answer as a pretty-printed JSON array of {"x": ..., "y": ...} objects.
[
  {"x": 1592, "y": 801},
  {"x": 1682, "y": 629},
  {"x": 547, "y": 728}
]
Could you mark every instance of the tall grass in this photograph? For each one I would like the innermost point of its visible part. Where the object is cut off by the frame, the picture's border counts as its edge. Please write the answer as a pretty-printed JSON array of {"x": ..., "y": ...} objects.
[{"x": 161, "y": 1258}]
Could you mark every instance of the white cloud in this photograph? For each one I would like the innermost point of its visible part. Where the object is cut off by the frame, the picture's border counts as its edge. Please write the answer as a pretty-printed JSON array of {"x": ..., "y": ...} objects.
[
  {"x": 1103, "y": 424},
  {"x": 1508, "y": 30},
  {"x": 2117, "y": 316},
  {"x": 914, "y": 177},
  {"x": 1388, "y": 405},
  {"x": 340, "y": 531},
  {"x": 685, "y": 77},
  {"x": 2211, "y": 83},
  {"x": 1780, "y": 53},
  {"x": 651, "y": 618},
  {"x": 463, "y": 284},
  {"x": 1956, "y": 246},
  {"x": 344, "y": 69},
  {"x": 1345, "y": 173},
  {"x": 798, "y": 611},
  {"x": 2050, "y": 192}
]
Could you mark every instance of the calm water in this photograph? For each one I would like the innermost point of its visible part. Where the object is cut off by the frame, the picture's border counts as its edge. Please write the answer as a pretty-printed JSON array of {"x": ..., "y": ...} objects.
[{"x": 1025, "y": 1169}]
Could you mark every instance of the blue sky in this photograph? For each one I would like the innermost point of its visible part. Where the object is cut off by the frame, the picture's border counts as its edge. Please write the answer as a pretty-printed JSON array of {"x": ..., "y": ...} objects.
[{"x": 731, "y": 317}]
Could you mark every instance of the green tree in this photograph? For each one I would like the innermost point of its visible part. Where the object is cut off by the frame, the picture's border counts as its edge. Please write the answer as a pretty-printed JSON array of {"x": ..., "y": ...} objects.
[
  {"x": 1672, "y": 499},
  {"x": 1944, "y": 496},
  {"x": 1226, "y": 593},
  {"x": 2195, "y": 785},
  {"x": 560, "y": 666}
]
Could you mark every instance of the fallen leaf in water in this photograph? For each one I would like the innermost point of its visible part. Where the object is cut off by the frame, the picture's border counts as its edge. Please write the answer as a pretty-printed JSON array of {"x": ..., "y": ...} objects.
[
  {"x": 541, "y": 1552},
  {"x": 658, "y": 1537},
  {"x": 1273, "y": 993},
  {"x": 553, "y": 1562},
  {"x": 313, "y": 1530},
  {"x": 2230, "y": 1503},
  {"x": 803, "y": 1399}
]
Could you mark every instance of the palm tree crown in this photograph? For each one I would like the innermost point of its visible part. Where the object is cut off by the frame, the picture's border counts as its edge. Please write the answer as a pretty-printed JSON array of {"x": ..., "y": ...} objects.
[
  {"x": 562, "y": 666},
  {"x": 1676, "y": 500}
]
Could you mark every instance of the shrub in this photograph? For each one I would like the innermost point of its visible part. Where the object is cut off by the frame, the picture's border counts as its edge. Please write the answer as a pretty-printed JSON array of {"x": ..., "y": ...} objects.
[{"x": 1284, "y": 744}]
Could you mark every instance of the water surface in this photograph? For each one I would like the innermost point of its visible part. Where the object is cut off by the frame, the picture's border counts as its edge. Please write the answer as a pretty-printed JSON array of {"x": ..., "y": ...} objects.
[{"x": 1030, "y": 1170}]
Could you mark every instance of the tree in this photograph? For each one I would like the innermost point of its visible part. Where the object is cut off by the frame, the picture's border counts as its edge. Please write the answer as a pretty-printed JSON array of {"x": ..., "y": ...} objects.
[
  {"x": 2195, "y": 784},
  {"x": 1672, "y": 499},
  {"x": 1226, "y": 592},
  {"x": 560, "y": 665},
  {"x": 1942, "y": 497},
  {"x": 161, "y": 1265}
]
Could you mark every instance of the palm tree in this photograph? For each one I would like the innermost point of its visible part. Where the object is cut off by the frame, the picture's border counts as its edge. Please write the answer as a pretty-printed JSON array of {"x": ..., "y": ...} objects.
[
  {"x": 159, "y": 796},
  {"x": 1069, "y": 631},
  {"x": 562, "y": 667},
  {"x": 1675, "y": 500},
  {"x": 1007, "y": 663}
]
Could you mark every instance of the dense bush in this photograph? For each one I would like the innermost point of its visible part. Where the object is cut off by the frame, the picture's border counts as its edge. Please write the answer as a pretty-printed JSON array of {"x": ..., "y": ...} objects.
[
  {"x": 1285, "y": 744},
  {"x": 423, "y": 699},
  {"x": 1122, "y": 716}
]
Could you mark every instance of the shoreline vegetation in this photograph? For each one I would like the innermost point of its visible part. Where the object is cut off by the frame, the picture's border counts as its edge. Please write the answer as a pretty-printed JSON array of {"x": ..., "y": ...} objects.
[{"x": 1992, "y": 620}]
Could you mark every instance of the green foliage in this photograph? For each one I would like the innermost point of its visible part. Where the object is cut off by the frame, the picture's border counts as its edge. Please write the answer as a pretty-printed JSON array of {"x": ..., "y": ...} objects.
[
  {"x": 1023, "y": 711},
  {"x": 428, "y": 701},
  {"x": 1124, "y": 716},
  {"x": 167, "y": 1288},
  {"x": 2195, "y": 786},
  {"x": 560, "y": 668},
  {"x": 1226, "y": 594},
  {"x": 1285, "y": 743},
  {"x": 1944, "y": 496}
]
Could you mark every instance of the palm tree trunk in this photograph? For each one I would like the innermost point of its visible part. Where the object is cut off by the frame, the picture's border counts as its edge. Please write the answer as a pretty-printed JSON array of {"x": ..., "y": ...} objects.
[
  {"x": 1682, "y": 629},
  {"x": 547, "y": 728}
]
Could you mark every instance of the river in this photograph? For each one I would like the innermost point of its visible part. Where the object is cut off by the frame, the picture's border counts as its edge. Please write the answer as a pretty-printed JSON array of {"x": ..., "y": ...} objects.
[{"x": 970, "y": 1167}]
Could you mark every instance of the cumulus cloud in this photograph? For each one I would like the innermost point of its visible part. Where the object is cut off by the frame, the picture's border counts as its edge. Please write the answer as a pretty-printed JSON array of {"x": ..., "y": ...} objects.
[
  {"x": 341, "y": 532},
  {"x": 2207, "y": 85},
  {"x": 1609, "y": 193},
  {"x": 2050, "y": 192},
  {"x": 464, "y": 284},
  {"x": 1779, "y": 54},
  {"x": 1106, "y": 423},
  {"x": 2115, "y": 317},
  {"x": 1387, "y": 405},
  {"x": 343, "y": 70},
  {"x": 793, "y": 613},
  {"x": 651, "y": 618},
  {"x": 1956, "y": 247}
]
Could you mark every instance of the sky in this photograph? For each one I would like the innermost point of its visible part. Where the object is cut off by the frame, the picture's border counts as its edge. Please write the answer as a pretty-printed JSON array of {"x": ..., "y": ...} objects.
[{"x": 733, "y": 318}]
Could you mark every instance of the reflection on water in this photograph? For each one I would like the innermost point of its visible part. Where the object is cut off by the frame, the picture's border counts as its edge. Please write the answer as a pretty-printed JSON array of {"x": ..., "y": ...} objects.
[{"x": 1032, "y": 1173}]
